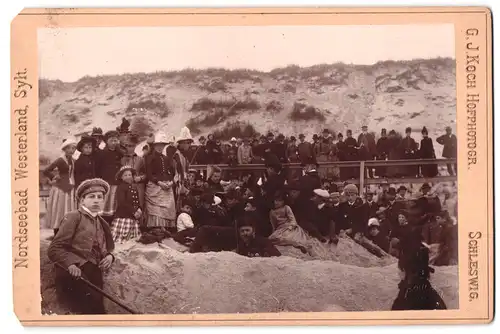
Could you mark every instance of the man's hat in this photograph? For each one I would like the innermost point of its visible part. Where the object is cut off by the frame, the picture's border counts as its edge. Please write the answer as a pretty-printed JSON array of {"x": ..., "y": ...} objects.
[
  {"x": 448, "y": 128},
  {"x": 122, "y": 170},
  {"x": 384, "y": 130},
  {"x": 202, "y": 138},
  {"x": 391, "y": 191},
  {"x": 281, "y": 136},
  {"x": 334, "y": 194},
  {"x": 97, "y": 132},
  {"x": 351, "y": 189},
  {"x": 292, "y": 138},
  {"x": 326, "y": 131},
  {"x": 111, "y": 134},
  {"x": 340, "y": 135},
  {"x": 364, "y": 127},
  {"x": 91, "y": 186},
  {"x": 86, "y": 139},
  {"x": 408, "y": 129},
  {"x": 402, "y": 188},
  {"x": 247, "y": 219},
  {"x": 270, "y": 134},
  {"x": 302, "y": 135},
  {"x": 315, "y": 136},
  {"x": 426, "y": 186},
  {"x": 424, "y": 131}
]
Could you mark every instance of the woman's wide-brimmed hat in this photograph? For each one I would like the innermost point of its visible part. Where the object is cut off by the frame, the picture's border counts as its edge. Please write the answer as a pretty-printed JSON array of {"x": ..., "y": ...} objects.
[
  {"x": 86, "y": 139},
  {"x": 161, "y": 138},
  {"x": 67, "y": 142},
  {"x": 185, "y": 135},
  {"x": 91, "y": 186},
  {"x": 122, "y": 170}
]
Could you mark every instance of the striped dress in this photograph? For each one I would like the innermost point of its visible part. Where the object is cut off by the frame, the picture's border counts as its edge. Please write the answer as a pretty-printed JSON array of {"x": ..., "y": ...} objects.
[{"x": 61, "y": 197}]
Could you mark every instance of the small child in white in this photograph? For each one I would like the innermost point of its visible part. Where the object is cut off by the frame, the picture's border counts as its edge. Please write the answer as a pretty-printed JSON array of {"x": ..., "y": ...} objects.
[{"x": 184, "y": 220}]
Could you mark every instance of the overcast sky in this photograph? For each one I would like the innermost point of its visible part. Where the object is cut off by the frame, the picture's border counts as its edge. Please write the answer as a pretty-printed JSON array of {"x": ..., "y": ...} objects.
[{"x": 70, "y": 53}]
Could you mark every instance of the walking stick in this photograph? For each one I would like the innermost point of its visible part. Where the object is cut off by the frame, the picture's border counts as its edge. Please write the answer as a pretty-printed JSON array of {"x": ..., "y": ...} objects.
[{"x": 99, "y": 290}]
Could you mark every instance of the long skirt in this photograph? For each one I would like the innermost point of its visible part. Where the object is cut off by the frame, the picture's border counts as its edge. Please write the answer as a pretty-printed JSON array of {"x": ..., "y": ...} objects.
[
  {"x": 110, "y": 203},
  {"x": 160, "y": 206},
  {"x": 294, "y": 235},
  {"x": 124, "y": 229},
  {"x": 59, "y": 203},
  {"x": 290, "y": 235}
]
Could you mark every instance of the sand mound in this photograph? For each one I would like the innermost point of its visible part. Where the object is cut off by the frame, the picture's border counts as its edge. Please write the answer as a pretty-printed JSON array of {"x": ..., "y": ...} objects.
[{"x": 160, "y": 279}]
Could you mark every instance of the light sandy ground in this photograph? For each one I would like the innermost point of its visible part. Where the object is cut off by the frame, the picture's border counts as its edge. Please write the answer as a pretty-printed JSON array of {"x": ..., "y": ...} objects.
[{"x": 165, "y": 279}]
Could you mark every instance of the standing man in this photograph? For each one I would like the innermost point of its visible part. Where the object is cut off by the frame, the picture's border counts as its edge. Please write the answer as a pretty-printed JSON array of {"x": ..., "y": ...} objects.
[
  {"x": 305, "y": 150},
  {"x": 352, "y": 154},
  {"x": 245, "y": 155},
  {"x": 368, "y": 148},
  {"x": 449, "y": 141}
]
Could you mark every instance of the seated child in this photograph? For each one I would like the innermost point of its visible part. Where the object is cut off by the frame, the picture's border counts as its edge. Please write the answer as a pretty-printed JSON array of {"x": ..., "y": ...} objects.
[{"x": 185, "y": 227}]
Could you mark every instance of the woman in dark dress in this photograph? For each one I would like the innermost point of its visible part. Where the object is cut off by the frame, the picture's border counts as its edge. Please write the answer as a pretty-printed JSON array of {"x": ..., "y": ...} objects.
[
  {"x": 415, "y": 290},
  {"x": 427, "y": 152}
]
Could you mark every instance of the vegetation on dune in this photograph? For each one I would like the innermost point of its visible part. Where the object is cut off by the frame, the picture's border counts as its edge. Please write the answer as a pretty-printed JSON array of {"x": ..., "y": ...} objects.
[
  {"x": 236, "y": 129},
  {"x": 301, "y": 112},
  {"x": 208, "y": 104}
]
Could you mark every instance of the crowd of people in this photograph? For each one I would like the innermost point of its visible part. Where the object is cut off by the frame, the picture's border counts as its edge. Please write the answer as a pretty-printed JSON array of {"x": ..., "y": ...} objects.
[{"x": 110, "y": 195}]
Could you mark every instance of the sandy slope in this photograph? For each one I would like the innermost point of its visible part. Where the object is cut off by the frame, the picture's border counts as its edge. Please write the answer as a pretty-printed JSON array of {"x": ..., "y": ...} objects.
[{"x": 387, "y": 94}]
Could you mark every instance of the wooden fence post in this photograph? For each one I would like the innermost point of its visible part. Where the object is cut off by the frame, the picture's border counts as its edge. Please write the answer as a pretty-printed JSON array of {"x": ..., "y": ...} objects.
[{"x": 361, "y": 178}]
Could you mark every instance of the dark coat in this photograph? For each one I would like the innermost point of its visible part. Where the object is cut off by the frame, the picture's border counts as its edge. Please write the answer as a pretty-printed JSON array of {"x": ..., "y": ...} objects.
[
  {"x": 427, "y": 152},
  {"x": 381, "y": 240},
  {"x": 64, "y": 177},
  {"x": 306, "y": 152},
  {"x": 159, "y": 168},
  {"x": 280, "y": 150},
  {"x": 127, "y": 198},
  {"x": 369, "y": 210},
  {"x": 74, "y": 241},
  {"x": 201, "y": 156},
  {"x": 417, "y": 295},
  {"x": 370, "y": 148},
  {"x": 383, "y": 148},
  {"x": 351, "y": 149},
  {"x": 450, "y": 145},
  {"x": 84, "y": 168},
  {"x": 353, "y": 217},
  {"x": 108, "y": 163},
  {"x": 215, "y": 155},
  {"x": 308, "y": 183},
  {"x": 258, "y": 247}
]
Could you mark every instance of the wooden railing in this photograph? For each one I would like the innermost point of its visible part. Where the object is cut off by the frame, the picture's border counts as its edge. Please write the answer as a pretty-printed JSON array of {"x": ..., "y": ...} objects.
[{"x": 362, "y": 165}]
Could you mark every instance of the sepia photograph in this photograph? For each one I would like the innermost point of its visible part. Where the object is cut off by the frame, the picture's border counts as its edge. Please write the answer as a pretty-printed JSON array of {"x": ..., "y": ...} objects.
[{"x": 248, "y": 169}]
